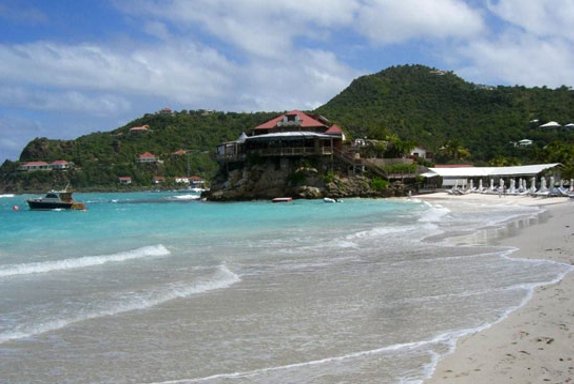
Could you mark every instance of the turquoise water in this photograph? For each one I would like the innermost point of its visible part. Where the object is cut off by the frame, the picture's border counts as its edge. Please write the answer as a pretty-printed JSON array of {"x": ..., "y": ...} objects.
[{"x": 156, "y": 288}]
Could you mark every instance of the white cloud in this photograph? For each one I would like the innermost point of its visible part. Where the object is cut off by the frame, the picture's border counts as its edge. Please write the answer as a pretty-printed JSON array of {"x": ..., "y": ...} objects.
[
  {"x": 520, "y": 59},
  {"x": 541, "y": 18},
  {"x": 185, "y": 72},
  {"x": 306, "y": 80},
  {"x": 533, "y": 46},
  {"x": 390, "y": 21},
  {"x": 260, "y": 28}
]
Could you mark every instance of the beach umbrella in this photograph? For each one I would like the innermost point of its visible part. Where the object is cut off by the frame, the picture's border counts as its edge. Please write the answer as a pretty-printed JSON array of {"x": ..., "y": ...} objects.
[{"x": 543, "y": 185}]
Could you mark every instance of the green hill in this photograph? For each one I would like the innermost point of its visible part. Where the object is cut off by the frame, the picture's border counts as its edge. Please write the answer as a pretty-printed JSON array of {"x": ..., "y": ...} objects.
[
  {"x": 431, "y": 107},
  {"x": 434, "y": 109}
]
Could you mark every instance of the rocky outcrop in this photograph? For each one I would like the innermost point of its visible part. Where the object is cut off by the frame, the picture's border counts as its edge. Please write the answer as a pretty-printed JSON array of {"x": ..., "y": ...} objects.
[{"x": 292, "y": 178}]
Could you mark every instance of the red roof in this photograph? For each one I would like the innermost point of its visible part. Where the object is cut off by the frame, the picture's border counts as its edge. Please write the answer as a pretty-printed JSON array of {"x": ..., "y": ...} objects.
[
  {"x": 59, "y": 162},
  {"x": 124, "y": 177},
  {"x": 147, "y": 155},
  {"x": 306, "y": 121},
  {"x": 34, "y": 164},
  {"x": 334, "y": 130},
  {"x": 180, "y": 152}
]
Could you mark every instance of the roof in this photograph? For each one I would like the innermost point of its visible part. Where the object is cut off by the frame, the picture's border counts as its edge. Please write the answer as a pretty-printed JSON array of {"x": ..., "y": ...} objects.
[
  {"x": 522, "y": 170},
  {"x": 550, "y": 124},
  {"x": 141, "y": 128},
  {"x": 295, "y": 135},
  {"x": 334, "y": 130},
  {"x": 58, "y": 162},
  {"x": 147, "y": 155},
  {"x": 34, "y": 164},
  {"x": 305, "y": 120}
]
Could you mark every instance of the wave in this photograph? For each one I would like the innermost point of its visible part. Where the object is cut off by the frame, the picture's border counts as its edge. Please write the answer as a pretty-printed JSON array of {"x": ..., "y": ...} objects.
[
  {"x": 434, "y": 214},
  {"x": 378, "y": 232},
  {"x": 7, "y": 195},
  {"x": 447, "y": 339},
  {"x": 82, "y": 262},
  {"x": 223, "y": 278},
  {"x": 185, "y": 197}
]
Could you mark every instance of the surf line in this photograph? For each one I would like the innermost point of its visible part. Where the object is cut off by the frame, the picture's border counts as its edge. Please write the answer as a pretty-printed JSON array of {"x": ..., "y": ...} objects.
[
  {"x": 222, "y": 278},
  {"x": 253, "y": 373},
  {"x": 82, "y": 262}
]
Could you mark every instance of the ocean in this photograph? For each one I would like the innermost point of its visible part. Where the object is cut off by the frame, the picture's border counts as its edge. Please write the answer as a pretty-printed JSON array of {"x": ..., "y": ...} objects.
[{"x": 159, "y": 288}]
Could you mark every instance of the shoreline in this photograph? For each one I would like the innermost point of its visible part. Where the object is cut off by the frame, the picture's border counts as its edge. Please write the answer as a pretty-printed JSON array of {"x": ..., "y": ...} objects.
[{"x": 535, "y": 342}]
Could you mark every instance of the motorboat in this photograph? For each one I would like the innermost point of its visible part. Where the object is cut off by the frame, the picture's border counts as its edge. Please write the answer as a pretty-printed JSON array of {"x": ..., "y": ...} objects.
[
  {"x": 282, "y": 200},
  {"x": 56, "y": 200}
]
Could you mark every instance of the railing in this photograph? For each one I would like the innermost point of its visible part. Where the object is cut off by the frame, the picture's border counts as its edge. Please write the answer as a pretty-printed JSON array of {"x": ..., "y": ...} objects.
[
  {"x": 269, "y": 152},
  {"x": 349, "y": 158},
  {"x": 292, "y": 151}
]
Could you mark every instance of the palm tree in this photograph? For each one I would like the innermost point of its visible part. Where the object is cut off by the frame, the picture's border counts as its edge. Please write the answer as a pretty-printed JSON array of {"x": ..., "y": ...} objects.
[{"x": 454, "y": 150}]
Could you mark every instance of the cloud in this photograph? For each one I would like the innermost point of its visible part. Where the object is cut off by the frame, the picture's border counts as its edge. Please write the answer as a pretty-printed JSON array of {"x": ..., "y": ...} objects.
[
  {"x": 182, "y": 72},
  {"x": 306, "y": 80},
  {"x": 390, "y": 21},
  {"x": 533, "y": 46},
  {"x": 521, "y": 59},
  {"x": 263, "y": 29},
  {"x": 541, "y": 18}
]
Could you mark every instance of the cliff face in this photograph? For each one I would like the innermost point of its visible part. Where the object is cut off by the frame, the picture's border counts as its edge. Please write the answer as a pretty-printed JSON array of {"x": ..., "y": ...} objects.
[{"x": 290, "y": 178}]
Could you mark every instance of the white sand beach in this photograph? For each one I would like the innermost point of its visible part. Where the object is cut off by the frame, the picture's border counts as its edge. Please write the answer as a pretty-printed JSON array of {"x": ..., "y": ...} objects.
[{"x": 535, "y": 343}]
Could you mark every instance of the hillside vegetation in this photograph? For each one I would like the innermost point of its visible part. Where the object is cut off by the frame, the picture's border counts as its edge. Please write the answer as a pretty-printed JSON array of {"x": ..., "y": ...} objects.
[
  {"x": 432, "y": 107},
  {"x": 456, "y": 120}
]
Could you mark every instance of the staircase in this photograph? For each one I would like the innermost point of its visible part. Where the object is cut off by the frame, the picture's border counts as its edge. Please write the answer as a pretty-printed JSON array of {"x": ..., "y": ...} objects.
[{"x": 349, "y": 158}]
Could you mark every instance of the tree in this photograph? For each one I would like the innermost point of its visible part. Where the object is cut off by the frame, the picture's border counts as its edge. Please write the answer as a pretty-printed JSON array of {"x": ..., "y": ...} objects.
[{"x": 453, "y": 150}]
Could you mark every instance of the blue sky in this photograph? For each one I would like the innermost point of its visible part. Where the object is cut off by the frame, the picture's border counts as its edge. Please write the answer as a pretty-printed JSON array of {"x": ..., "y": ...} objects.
[{"x": 72, "y": 67}]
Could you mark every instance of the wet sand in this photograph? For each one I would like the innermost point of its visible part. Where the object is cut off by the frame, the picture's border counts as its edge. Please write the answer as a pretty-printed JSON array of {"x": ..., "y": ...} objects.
[{"x": 535, "y": 344}]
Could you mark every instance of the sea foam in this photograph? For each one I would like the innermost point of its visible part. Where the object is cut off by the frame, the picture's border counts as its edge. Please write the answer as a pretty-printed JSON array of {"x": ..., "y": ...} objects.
[
  {"x": 121, "y": 303},
  {"x": 82, "y": 262}
]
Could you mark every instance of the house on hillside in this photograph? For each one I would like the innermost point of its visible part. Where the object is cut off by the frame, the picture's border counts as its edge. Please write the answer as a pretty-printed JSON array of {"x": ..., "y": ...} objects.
[
  {"x": 293, "y": 133},
  {"x": 148, "y": 158},
  {"x": 31, "y": 166},
  {"x": 179, "y": 152},
  {"x": 141, "y": 129},
  {"x": 524, "y": 143},
  {"x": 126, "y": 180},
  {"x": 420, "y": 152},
  {"x": 61, "y": 165}
]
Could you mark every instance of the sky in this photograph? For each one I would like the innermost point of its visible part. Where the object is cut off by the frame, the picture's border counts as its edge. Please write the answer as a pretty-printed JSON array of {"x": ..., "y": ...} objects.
[{"x": 73, "y": 67}]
